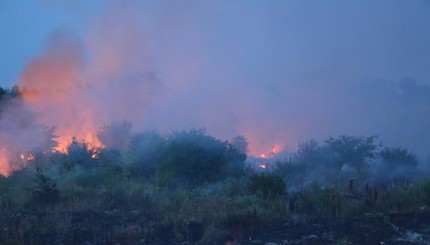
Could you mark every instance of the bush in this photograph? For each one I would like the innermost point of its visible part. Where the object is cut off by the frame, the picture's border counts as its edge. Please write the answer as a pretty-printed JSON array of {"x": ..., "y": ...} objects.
[
  {"x": 145, "y": 151},
  {"x": 44, "y": 189},
  {"x": 78, "y": 153},
  {"x": 193, "y": 158},
  {"x": 267, "y": 185}
]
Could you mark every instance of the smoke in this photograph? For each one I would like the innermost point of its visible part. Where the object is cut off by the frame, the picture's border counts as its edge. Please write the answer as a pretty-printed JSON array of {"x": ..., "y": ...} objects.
[
  {"x": 21, "y": 135},
  {"x": 261, "y": 70}
]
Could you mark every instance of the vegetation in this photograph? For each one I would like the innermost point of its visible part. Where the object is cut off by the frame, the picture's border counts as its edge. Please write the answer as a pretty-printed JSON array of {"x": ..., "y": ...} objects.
[{"x": 190, "y": 187}]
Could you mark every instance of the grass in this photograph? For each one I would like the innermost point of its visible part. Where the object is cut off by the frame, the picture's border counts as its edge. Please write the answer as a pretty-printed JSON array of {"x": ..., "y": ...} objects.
[{"x": 101, "y": 206}]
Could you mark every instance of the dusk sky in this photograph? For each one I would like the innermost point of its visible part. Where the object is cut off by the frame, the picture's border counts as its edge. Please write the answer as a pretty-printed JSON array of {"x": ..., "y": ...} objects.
[{"x": 279, "y": 72}]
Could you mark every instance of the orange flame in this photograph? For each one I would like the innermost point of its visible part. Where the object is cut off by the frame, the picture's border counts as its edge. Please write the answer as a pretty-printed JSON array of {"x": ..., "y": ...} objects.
[
  {"x": 274, "y": 149},
  {"x": 4, "y": 163},
  {"x": 65, "y": 139}
]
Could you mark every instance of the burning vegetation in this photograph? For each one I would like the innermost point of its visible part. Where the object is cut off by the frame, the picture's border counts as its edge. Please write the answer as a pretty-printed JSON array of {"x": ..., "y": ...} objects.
[
  {"x": 188, "y": 186},
  {"x": 101, "y": 140}
]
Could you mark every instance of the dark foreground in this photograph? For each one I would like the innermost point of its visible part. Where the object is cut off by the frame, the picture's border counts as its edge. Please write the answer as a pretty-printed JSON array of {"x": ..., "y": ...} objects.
[
  {"x": 411, "y": 228},
  {"x": 119, "y": 228}
]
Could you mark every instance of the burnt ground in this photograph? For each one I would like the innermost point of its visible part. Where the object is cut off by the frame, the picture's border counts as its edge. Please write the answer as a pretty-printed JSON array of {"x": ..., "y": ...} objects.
[
  {"x": 408, "y": 228},
  {"x": 115, "y": 227}
]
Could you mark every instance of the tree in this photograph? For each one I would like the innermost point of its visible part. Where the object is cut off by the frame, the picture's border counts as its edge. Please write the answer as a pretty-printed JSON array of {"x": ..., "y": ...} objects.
[
  {"x": 236, "y": 155},
  {"x": 352, "y": 150},
  {"x": 44, "y": 189},
  {"x": 311, "y": 154},
  {"x": 145, "y": 151},
  {"x": 240, "y": 144},
  {"x": 79, "y": 153},
  {"x": 397, "y": 163},
  {"x": 193, "y": 158},
  {"x": 312, "y": 162},
  {"x": 267, "y": 185},
  {"x": 398, "y": 156}
]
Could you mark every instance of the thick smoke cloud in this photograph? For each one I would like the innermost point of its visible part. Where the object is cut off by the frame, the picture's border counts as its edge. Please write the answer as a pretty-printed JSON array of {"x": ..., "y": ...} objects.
[{"x": 277, "y": 72}]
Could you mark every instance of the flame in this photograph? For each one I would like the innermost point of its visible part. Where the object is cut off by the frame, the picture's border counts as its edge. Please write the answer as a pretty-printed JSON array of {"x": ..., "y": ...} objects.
[
  {"x": 274, "y": 149},
  {"x": 4, "y": 163},
  {"x": 90, "y": 138},
  {"x": 5, "y": 167},
  {"x": 26, "y": 156}
]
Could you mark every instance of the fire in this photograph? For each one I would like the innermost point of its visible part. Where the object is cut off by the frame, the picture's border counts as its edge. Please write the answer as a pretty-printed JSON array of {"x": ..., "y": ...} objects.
[
  {"x": 93, "y": 143},
  {"x": 265, "y": 158},
  {"x": 4, "y": 162},
  {"x": 91, "y": 140},
  {"x": 4, "y": 165},
  {"x": 275, "y": 149},
  {"x": 26, "y": 156}
]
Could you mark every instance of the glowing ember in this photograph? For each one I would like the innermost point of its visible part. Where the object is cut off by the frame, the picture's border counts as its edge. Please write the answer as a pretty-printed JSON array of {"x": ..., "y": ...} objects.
[
  {"x": 275, "y": 149},
  {"x": 94, "y": 151},
  {"x": 27, "y": 157}
]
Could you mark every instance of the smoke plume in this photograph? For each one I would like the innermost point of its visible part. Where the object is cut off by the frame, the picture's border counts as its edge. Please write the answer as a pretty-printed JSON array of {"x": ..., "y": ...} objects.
[{"x": 258, "y": 70}]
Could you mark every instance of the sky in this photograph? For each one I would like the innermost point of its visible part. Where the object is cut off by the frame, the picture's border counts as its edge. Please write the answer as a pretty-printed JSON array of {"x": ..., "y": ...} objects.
[{"x": 278, "y": 72}]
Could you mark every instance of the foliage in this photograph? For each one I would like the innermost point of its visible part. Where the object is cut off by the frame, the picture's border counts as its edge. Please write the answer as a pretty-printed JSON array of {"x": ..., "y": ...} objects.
[
  {"x": 44, "y": 190},
  {"x": 193, "y": 158},
  {"x": 426, "y": 190},
  {"x": 240, "y": 144},
  {"x": 310, "y": 153},
  {"x": 398, "y": 156},
  {"x": 189, "y": 187},
  {"x": 293, "y": 172},
  {"x": 353, "y": 150},
  {"x": 267, "y": 185},
  {"x": 79, "y": 153},
  {"x": 236, "y": 154},
  {"x": 397, "y": 163},
  {"x": 145, "y": 151},
  {"x": 6, "y": 94}
]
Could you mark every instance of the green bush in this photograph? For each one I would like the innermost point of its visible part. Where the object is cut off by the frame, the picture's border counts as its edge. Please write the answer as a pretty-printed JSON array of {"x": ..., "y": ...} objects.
[
  {"x": 192, "y": 158},
  {"x": 267, "y": 185},
  {"x": 79, "y": 153},
  {"x": 44, "y": 190}
]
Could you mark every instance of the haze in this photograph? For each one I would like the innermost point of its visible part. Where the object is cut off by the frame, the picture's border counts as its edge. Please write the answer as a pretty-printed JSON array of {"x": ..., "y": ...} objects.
[{"x": 277, "y": 72}]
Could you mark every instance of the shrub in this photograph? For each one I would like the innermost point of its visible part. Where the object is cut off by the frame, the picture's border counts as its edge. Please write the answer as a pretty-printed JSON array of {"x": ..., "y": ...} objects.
[
  {"x": 267, "y": 185},
  {"x": 44, "y": 189},
  {"x": 193, "y": 158},
  {"x": 78, "y": 153},
  {"x": 145, "y": 151}
]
